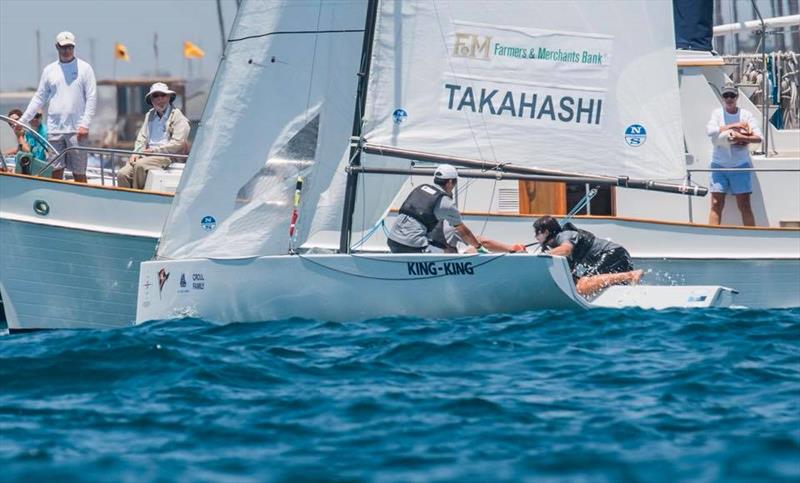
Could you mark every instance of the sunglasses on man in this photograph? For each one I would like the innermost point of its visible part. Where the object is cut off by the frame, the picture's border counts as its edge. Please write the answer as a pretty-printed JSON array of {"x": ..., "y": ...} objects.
[{"x": 729, "y": 95}]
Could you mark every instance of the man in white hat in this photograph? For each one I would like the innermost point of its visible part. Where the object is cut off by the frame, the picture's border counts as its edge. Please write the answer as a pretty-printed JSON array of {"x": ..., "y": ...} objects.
[
  {"x": 732, "y": 130},
  {"x": 423, "y": 209},
  {"x": 69, "y": 86},
  {"x": 165, "y": 130}
]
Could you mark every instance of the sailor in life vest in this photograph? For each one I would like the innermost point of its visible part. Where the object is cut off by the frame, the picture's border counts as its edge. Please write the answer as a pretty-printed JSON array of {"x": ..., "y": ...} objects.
[
  {"x": 425, "y": 206},
  {"x": 596, "y": 263}
]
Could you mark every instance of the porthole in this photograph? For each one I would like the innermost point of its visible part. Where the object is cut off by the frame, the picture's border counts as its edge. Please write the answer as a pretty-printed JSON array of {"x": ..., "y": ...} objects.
[{"x": 41, "y": 207}]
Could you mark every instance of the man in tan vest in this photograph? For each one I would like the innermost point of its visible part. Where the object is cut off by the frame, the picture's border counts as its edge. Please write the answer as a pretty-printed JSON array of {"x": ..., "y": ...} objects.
[{"x": 165, "y": 130}]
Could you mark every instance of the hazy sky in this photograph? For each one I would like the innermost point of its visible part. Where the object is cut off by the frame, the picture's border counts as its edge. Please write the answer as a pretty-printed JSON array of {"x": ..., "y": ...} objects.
[{"x": 130, "y": 22}]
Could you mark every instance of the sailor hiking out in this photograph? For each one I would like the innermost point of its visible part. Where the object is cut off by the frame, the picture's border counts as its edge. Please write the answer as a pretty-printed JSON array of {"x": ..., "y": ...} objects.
[
  {"x": 423, "y": 209},
  {"x": 596, "y": 263}
]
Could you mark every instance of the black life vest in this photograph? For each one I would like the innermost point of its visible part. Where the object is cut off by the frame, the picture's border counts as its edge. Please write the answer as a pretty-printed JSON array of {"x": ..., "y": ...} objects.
[
  {"x": 583, "y": 245},
  {"x": 436, "y": 236},
  {"x": 420, "y": 205}
]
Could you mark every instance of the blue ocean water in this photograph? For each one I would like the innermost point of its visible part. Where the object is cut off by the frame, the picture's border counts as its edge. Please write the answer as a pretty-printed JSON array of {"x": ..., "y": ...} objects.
[{"x": 701, "y": 395}]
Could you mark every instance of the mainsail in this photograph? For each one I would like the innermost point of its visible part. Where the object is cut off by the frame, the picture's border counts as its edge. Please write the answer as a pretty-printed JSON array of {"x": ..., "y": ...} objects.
[
  {"x": 577, "y": 86},
  {"x": 281, "y": 107}
]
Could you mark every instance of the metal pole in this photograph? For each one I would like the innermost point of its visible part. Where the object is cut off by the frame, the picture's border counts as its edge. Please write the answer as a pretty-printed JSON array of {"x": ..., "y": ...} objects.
[
  {"x": 38, "y": 56},
  {"x": 355, "y": 148},
  {"x": 622, "y": 181},
  {"x": 497, "y": 175},
  {"x": 765, "y": 80},
  {"x": 221, "y": 24}
]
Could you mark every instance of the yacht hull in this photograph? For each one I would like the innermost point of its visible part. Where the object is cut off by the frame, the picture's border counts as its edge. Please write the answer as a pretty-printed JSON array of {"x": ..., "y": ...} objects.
[
  {"x": 70, "y": 253},
  {"x": 60, "y": 278}
]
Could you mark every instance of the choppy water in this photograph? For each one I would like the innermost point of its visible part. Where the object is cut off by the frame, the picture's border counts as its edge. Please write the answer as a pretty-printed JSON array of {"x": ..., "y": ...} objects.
[{"x": 562, "y": 396}]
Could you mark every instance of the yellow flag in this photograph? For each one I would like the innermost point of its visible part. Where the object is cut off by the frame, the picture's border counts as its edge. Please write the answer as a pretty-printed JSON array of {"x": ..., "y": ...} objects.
[
  {"x": 191, "y": 51},
  {"x": 121, "y": 52}
]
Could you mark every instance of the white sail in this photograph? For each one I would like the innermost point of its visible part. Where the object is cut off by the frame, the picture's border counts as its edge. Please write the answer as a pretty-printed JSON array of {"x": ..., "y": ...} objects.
[
  {"x": 578, "y": 86},
  {"x": 281, "y": 107}
]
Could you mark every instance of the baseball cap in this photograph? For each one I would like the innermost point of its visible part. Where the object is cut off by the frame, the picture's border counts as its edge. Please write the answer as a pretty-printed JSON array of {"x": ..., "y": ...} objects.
[
  {"x": 445, "y": 171},
  {"x": 65, "y": 38},
  {"x": 730, "y": 87}
]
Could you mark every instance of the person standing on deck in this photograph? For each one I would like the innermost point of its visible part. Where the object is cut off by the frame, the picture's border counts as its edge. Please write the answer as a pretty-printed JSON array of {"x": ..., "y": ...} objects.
[
  {"x": 69, "y": 86},
  {"x": 425, "y": 206},
  {"x": 731, "y": 130},
  {"x": 165, "y": 130}
]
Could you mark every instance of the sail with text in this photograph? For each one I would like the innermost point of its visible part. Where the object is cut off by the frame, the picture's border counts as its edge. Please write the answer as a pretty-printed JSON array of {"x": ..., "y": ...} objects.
[{"x": 575, "y": 86}]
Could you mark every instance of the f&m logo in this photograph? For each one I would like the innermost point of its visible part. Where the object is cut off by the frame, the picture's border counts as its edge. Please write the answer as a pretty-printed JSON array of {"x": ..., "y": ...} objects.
[{"x": 471, "y": 45}]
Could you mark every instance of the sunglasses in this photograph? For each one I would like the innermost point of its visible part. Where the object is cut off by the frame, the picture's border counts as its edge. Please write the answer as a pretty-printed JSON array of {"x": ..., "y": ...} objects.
[
  {"x": 158, "y": 94},
  {"x": 728, "y": 95}
]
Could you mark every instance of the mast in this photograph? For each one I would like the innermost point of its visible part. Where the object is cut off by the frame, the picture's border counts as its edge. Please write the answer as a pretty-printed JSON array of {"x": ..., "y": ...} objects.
[{"x": 355, "y": 148}]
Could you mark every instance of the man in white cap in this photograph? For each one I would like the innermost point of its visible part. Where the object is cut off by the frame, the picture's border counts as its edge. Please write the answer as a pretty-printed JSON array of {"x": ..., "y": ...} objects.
[
  {"x": 731, "y": 130},
  {"x": 422, "y": 210},
  {"x": 165, "y": 130},
  {"x": 69, "y": 86}
]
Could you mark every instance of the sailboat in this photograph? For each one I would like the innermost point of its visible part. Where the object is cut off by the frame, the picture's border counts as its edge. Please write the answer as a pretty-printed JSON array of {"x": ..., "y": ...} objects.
[{"x": 578, "y": 90}]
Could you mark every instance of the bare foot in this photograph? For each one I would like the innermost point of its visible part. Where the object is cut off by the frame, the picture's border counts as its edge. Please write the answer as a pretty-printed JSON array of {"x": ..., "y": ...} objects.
[{"x": 636, "y": 276}]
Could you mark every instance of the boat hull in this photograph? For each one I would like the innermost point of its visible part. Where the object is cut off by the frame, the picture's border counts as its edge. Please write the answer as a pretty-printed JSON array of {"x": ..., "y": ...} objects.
[
  {"x": 344, "y": 287},
  {"x": 762, "y": 264},
  {"x": 70, "y": 253},
  {"x": 59, "y": 278}
]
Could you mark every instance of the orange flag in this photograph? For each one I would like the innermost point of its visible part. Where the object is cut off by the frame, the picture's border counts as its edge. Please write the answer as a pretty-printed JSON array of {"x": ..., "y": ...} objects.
[
  {"x": 192, "y": 51},
  {"x": 121, "y": 52}
]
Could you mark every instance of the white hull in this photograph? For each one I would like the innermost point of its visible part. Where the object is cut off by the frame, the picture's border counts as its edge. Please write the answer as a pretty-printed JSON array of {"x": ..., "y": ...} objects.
[
  {"x": 76, "y": 266},
  {"x": 356, "y": 287},
  {"x": 342, "y": 287},
  {"x": 762, "y": 264}
]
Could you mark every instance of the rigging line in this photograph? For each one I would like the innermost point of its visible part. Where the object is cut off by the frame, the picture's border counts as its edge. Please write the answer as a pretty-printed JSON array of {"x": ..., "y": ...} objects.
[
  {"x": 466, "y": 117},
  {"x": 296, "y": 32},
  {"x": 357, "y": 275},
  {"x": 313, "y": 59},
  {"x": 455, "y": 257}
]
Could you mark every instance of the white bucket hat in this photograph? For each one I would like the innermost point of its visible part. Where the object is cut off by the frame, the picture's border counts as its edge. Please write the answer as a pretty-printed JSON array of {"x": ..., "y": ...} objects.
[
  {"x": 445, "y": 171},
  {"x": 65, "y": 38},
  {"x": 162, "y": 88}
]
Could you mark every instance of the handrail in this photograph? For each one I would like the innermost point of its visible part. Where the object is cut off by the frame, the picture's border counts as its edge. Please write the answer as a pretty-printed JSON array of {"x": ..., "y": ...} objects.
[
  {"x": 107, "y": 151},
  {"x": 743, "y": 170},
  {"x": 33, "y": 132},
  {"x": 759, "y": 170}
]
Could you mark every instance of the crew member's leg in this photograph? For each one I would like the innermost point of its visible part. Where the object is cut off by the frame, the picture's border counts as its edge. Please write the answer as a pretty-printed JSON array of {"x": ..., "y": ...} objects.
[
  {"x": 718, "y": 187},
  {"x": 76, "y": 161},
  {"x": 717, "y": 204},
  {"x": 143, "y": 165},
  {"x": 613, "y": 268},
  {"x": 594, "y": 283},
  {"x": 742, "y": 187},
  {"x": 395, "y": 247},
  {"x": 59, "y": 143},
  {"x": 125, "y": 175}
]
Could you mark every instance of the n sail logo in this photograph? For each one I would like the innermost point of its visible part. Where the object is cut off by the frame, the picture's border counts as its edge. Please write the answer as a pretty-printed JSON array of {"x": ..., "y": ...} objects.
[
  {"x": 635, "y": 135},
  {"x": 472, "y": 46}
]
